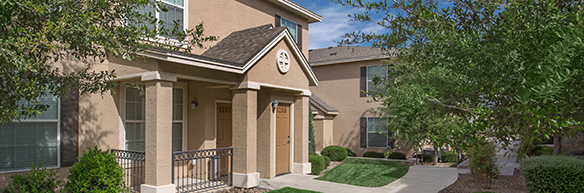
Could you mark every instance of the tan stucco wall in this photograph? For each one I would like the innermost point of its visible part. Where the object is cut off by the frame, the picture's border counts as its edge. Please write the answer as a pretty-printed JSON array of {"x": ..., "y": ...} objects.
[
  {"x": 323, "y": 131},
  {"x": 266, "y": 70},
  {"x": 221, "y": 17},
  {"x": 339, "y": 87}
]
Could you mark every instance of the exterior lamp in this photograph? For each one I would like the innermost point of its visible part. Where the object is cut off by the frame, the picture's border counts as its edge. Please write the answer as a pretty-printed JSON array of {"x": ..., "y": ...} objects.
[
  {"x": 275, "y": 104},
  {"x": 194, "y": 105}
]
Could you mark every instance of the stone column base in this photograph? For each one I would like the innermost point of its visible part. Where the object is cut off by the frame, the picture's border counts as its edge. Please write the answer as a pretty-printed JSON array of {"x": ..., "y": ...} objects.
[
  {"x": 145, "y": 188},
  {"x": 302, "y": 168},
  {"x": 246, "y": 180}
]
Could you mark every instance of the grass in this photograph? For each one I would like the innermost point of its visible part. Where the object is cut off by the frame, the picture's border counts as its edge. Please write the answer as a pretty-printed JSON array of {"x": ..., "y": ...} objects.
[
  {"x": 291, "y": 190},
  {"x": 366, "y": 172},
  {"x": 546, "y": 150}
]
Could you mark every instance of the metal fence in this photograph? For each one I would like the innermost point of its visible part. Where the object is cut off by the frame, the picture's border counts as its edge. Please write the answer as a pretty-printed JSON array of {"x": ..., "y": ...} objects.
[
  {"x": 202, "y": 169},
  {"x": 133, "y": 164}
]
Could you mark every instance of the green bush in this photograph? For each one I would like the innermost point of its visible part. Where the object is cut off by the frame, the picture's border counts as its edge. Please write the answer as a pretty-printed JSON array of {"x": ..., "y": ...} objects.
[
  {"x": 350, "y": 153},
  {"x": 549, "y": 173},
  {"x": 449, "y": 156},
  {"x": 312, "y": 153},
  {"x": 397, "y": 155},
  {"x": 317, "y": 163},
  {"x": 427, "y": 158},
  {"x": 335, "y": 152},
  {"x": 373, "y": 154},
  {"x": 40, "y": 179},
  {"x": 482, "y": 161},
  {"x": 327, "y": 161},
  {"x": 96, "y": 171}
]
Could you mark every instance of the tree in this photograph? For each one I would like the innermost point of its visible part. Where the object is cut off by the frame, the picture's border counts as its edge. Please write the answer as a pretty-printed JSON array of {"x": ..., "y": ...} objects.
[
  {"x": 311, "y": 130},
  {"x": 38, "y": 35},
  {"x": 516, "y": 66}
]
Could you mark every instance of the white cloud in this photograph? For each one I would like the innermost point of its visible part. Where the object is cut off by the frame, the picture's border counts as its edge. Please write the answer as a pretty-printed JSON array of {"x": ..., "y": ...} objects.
[{"x": 335, "y": 23}]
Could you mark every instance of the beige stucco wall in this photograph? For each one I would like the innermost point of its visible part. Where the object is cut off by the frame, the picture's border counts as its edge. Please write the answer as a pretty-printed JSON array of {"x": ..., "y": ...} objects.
[
  {"x": 339, "y": 86},
  {"x": 323, "y": 130},
  {"x": 221, "y": 17}
]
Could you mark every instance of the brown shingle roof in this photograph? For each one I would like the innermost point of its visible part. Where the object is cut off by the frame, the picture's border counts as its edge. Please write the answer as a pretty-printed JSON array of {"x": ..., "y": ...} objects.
[
  {"x": 342, "y": 53},
  {"x": 241, "y": 46}
]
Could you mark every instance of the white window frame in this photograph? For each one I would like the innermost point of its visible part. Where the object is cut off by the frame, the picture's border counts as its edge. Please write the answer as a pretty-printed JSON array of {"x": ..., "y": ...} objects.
[
  {"x": 185, "y": 15},
  {"x": 184, "y": 120},
  {"x": 58, "y": 122},
  {"x": 295, "y": 36},
  {"x": 367, "y": 76},
  {"x": 132, "y": 121},
  {"x": 386, "y": 139}
]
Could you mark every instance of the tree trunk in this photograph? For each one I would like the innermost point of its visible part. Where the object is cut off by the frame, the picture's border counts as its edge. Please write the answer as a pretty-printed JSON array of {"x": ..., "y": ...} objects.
[
  {"x": 557, "y": 143},
  {"x": 435, "y": 161}
]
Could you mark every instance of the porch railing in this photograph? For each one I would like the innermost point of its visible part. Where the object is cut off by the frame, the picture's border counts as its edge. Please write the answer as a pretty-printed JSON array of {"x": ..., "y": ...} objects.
[
  {"x": 202, "y": 169},
  {"x": 133, "y": 164}
]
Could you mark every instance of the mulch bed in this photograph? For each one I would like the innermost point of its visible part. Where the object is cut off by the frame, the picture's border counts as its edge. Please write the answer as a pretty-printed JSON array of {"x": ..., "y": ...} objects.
[
  {"x": 242, "y": 190},
  {"x": 508, "y": 184}
]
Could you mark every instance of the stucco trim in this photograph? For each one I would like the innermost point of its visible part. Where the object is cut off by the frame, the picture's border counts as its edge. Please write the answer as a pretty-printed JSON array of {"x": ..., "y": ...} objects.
[
  {"x": 156, "y": 75},
  {"x": 257, "y": 86},
  {"x": 246, "y": 180},
  {"x": 166, "y": 74},
  {"x": 170, "y": 188}
]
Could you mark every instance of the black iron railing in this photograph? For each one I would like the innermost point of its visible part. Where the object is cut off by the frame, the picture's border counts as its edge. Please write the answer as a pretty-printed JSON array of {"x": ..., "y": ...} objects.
[
  {"x": 202, "y": 169},
  {"x": 133, "y": 164}
]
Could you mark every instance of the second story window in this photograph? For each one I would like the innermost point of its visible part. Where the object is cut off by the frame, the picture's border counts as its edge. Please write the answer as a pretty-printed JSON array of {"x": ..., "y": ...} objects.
[
  {"x": 367, "y": 75},
  {"x": 176, "y": 12},
  {"x": 292, "y": 27}
]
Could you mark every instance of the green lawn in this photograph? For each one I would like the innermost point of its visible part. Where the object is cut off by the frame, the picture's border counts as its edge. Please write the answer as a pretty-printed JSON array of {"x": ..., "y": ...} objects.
[
  {"x": 291, "y": 190},
  {"x": 366, "y": 172},
  {"x": 546, "y": 150}
]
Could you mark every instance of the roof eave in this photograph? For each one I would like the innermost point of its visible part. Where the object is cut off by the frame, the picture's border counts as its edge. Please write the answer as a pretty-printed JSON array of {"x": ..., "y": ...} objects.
[
  {"x": 298, "y": 9},
  {"x": 347, "y": 60}
]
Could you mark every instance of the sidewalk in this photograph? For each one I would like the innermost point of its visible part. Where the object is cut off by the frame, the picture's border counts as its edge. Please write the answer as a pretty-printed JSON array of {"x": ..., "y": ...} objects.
[
  {"x": 507, "y": 162},
  {"x": 418, "y": 179}
]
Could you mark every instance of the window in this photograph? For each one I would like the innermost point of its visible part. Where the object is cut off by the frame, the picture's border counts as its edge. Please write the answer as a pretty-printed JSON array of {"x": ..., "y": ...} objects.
[
  {"x": 375, "y": 139},
  {"x": 292, "y": 27},
  {"x": 135, "y": 119},
  {"x": 35, "y": 140},
  {"x": 176, "y": 9},
  {"x": 177, "y": 119},
  {"x": 367, "y": 75}
]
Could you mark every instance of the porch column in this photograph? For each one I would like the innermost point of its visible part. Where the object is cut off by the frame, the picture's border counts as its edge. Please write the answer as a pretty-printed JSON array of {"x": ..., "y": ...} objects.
[
  {"x": 158, "y": 135},
  {"x": 301, "y": 164},
  {"x": 245, "y": 173}
]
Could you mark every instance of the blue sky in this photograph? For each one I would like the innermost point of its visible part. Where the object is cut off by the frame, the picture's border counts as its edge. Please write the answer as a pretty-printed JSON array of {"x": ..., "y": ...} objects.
[{"x": 334, "y": 24}]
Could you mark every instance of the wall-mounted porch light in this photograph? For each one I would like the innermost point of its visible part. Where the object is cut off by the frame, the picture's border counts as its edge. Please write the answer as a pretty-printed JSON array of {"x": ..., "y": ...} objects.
[
  {"x": 194, "y": 105},
  {"x": 275, "y": 105}
]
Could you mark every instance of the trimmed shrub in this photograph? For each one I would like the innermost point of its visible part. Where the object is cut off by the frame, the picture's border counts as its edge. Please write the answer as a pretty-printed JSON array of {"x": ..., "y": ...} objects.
[
  {"x": 96, "y": 171},
  {"x": 312, "y": 153},
  {"x": 350, "y": 153},
  {"x": 397, "y": 155},
  {"x": 449, "y": 156},
  {"x": 317, "y": 163},
  {"x": 427, "y": 158},
  {"x": 548, "y": 173},
  {"x": 373, "y": 154},
  {"x": 40, "y": 179},
  {"x": 335, "y": 152},
  {"x": 482, "y": 161},
  {"x": 327, "y": 161}
]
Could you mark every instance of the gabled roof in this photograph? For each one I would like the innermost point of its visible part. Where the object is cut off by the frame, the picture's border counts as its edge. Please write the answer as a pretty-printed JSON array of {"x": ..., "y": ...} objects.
[
  {"x": 241, "y": 46},
  {"x": 239, "y": 51},
  {"x": 343, "y": 54},
  {"x": 320, "y": 104}
]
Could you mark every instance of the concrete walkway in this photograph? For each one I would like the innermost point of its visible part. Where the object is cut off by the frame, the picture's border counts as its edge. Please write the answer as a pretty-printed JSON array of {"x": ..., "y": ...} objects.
[
  {"x": 507, "y": 159},
  {"x": 418, "y": 179}
]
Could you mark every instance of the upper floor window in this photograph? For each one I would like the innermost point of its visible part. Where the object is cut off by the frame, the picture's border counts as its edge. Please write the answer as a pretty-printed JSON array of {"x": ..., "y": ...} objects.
[
  {"x": 292, "y": 27},
  {"x": 176, "y": 12},
  {"x": 367, "y": 75}
]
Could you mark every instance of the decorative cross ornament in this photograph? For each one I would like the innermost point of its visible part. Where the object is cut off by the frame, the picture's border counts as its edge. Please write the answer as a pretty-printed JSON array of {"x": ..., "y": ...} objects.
[{"x": 283, "y": 61}]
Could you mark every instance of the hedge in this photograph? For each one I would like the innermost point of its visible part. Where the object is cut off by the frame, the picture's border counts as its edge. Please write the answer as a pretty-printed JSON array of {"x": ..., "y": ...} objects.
[
  {"x": 553, "y": 174},
  {"x": 397, "y": 155},
  {"x": 449, "y": 156},
  {"x": 327, "y": 161},
  {"x": 317, "y": 163},
  {"x": 427, "y": 158},
  {"x": 335, "y": 152},
  {"x": 373, "y": 154},
  {"x": 350, "y": 152}
]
